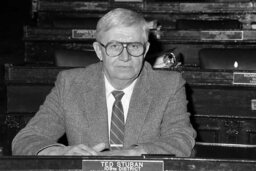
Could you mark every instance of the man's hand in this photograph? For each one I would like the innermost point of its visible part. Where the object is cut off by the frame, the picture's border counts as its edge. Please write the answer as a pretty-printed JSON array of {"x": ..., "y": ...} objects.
[
  {"x": 77, "y": 150},
  {"x": 132, "y": 151}
]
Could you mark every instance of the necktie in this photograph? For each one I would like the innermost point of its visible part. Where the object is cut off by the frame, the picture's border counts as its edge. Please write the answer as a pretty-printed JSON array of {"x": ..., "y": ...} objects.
[{"x": 117, "y": 122}]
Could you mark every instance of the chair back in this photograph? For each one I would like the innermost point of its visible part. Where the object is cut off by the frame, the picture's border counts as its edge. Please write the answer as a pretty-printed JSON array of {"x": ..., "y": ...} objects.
[
  {"x": 228, "y": 59},
  {"x": 74, "y": 58}
]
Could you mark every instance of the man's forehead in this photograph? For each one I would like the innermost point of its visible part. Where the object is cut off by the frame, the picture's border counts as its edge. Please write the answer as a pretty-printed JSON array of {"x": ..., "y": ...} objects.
[{"x": 123, "y": 34}]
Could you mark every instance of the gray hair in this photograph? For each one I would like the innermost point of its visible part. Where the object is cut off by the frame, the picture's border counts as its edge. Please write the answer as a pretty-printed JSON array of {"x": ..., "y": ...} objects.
[{"x": 121, "y": 17}]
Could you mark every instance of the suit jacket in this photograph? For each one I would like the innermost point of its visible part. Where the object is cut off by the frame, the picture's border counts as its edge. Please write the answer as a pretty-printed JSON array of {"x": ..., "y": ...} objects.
[{"x": 157, "y": 117}]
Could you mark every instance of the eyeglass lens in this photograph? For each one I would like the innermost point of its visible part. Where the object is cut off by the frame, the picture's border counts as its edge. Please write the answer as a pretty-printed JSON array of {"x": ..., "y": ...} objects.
[{"x": 116, "y": 48}]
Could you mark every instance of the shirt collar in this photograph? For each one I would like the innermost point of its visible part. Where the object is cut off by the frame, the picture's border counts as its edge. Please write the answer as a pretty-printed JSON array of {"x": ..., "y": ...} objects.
[{"x": 110, "y": 88}]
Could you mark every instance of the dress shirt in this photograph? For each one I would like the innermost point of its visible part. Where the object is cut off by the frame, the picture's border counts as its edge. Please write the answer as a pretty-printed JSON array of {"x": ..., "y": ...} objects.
[{"x": 110, "y": 99}]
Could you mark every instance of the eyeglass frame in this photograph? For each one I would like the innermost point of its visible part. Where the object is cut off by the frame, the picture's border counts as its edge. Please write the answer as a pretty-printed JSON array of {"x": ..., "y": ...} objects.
[{"x": 124, "y": 45}]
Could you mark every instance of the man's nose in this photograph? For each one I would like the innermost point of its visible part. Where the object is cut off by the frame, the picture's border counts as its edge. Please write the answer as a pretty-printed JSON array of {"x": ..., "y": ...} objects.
[{"x": 125, "y": 55}]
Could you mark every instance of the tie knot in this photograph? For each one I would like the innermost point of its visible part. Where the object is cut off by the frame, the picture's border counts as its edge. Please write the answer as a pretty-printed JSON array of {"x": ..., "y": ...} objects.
[{"x": 118, "y": 95}]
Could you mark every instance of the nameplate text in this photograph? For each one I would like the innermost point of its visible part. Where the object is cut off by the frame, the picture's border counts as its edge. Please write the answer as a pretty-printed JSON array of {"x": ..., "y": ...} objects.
[
  {"x": 244, "y": 78},
  {"x": 83, "y": 34},
  {"x": 123, "y": 165},
  {"x": 221, "y": 35}
]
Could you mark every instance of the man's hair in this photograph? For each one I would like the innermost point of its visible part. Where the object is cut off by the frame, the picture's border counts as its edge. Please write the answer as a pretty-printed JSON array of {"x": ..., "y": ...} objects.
[{"x": 121, "y": 17}]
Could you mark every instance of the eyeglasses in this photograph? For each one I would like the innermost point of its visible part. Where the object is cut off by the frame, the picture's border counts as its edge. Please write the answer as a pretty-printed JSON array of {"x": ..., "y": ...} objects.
[{"x": 115, "y": 48}]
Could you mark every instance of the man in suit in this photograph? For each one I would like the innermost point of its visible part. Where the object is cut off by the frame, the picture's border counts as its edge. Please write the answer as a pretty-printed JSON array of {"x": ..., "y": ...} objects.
[{"x": 150, "y": 116}]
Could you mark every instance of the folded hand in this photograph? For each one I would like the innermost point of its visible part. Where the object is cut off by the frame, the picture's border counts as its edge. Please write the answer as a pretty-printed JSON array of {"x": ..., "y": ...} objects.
[
  {"x": 132, "y": 151},
  {"x": 77, "y": 150}
]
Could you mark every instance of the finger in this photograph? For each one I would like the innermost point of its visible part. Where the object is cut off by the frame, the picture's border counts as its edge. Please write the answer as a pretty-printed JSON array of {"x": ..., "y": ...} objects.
[
  {"x": 87, "y": 149},
  {"x": 76, "y": 151},
  {"x": 106, "y": 153},
  {"x": 79, "y": 150},
  {"x": 113, "y": 153},
  {"x": 99, "y": 147}
]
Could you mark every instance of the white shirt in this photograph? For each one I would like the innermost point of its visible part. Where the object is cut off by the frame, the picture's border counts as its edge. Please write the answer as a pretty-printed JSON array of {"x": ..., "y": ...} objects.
[{"x": 111, "y": 99}]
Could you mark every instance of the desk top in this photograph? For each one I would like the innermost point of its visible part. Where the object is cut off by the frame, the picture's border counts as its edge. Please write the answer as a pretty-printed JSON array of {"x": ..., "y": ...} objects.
[
  {"x": 147, "y": 163},
  {"x": 206, "y": 156}
]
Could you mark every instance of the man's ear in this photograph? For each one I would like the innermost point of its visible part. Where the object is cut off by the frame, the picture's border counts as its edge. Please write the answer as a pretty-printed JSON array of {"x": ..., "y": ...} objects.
[
  {"x": 97, "y": 49},
  {"x": 147, "y": 48}
]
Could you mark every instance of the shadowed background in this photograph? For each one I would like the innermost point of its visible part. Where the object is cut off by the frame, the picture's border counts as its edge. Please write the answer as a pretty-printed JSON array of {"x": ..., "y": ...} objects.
[{"x": 13, "y": 16}]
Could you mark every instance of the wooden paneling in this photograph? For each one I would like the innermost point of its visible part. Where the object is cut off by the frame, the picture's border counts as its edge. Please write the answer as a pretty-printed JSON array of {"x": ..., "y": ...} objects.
[
  {"x": 222, "y": 100},
  {"x": 225, "y": 129},
  {"x": 182, "y": 36},
  {"x": 10, "y": 124},
  {"x": 26, "y": 98},
  {"x": 146, "y": 5},
  {"x": 41, "y": 42}
]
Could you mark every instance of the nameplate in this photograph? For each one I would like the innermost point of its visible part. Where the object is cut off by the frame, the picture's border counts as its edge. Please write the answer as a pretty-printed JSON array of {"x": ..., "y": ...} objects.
[
  {"x": 222, "y": 35},
  {"x": 253, "y": 104},
  {"x": 244, "y": 78},
  {"x": 122, "y": 165},
  {"x": 83, "y": 34}
]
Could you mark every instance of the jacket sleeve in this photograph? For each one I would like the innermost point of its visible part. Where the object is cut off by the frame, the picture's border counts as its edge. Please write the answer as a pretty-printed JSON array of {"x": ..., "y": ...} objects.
[
  {"x": 177, "y": 135},
  {"x": 46, "y": 127}
]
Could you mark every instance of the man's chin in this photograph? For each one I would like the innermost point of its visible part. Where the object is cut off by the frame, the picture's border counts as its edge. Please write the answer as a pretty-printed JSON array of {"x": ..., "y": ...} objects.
[
  {"x": 125, "y": 76},
  {"x": 124, "y": 68}
]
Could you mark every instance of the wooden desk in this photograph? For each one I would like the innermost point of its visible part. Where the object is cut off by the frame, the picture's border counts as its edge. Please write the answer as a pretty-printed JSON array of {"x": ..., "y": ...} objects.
[{"x": 81, "y": 163}]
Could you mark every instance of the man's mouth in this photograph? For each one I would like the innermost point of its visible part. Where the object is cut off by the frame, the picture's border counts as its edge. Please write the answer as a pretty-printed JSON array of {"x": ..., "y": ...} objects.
[{"x": 123, "y": 66}]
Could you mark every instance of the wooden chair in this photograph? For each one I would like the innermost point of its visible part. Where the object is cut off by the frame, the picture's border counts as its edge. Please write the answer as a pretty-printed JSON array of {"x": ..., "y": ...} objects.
[
  {"x": 228, "y": 58},
  {"x": 74, "y": 58}
]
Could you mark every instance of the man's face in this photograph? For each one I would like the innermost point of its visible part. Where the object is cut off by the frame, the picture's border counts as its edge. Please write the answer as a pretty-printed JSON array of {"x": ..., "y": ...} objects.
[{"x": 123, "y": 67}]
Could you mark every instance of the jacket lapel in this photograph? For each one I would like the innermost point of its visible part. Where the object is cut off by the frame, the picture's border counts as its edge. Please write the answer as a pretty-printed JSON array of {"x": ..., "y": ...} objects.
[
  {"x": 95, "y": 109},
  {"x": 138, "y": 109}
]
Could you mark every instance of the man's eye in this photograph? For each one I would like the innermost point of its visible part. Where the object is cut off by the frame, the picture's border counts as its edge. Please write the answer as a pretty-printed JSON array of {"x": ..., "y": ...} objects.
[
  {"x": 114, "y": 46},
  {"x": 135, "y": 46}
]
